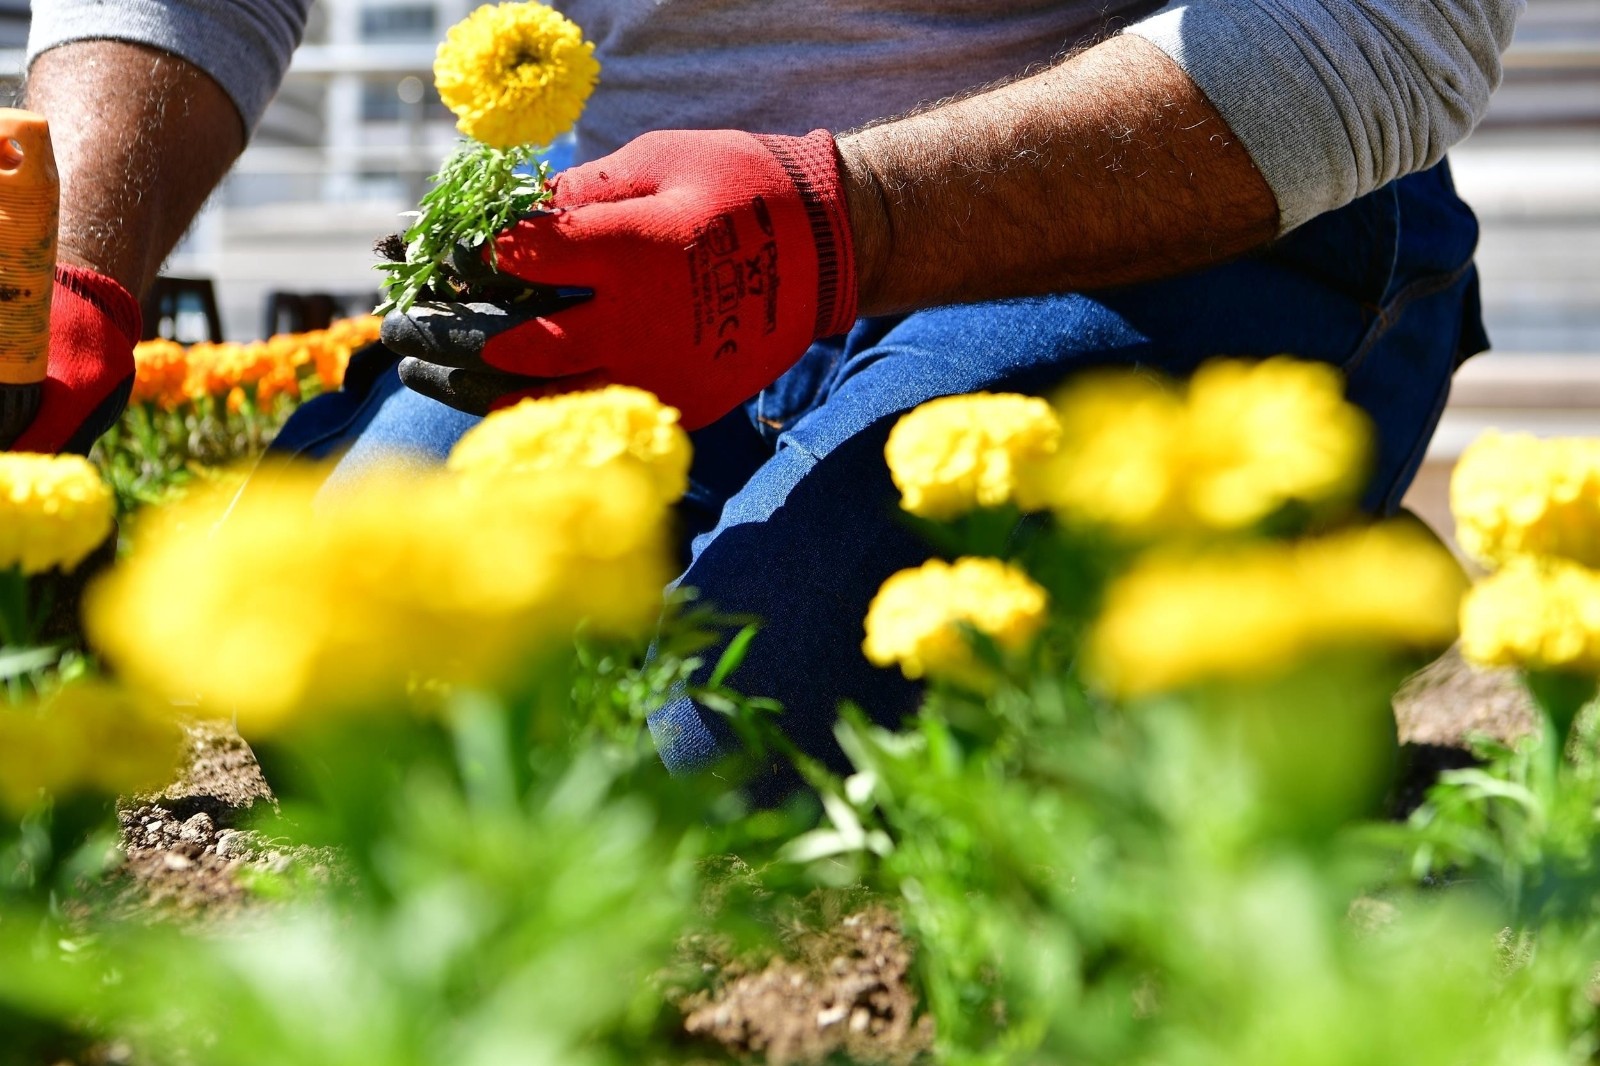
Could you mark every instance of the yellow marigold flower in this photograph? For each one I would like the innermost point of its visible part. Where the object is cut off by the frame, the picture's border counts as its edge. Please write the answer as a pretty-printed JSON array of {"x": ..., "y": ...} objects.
[
  {"x": 1120, "y": 459},
  {"x": 1239, "y": 442},
  {"x": 958, "y": 453},
  {"x": 280, "y": 610},
  {"x": 1179, "y": 618},
  {"x": 916, "y": 619},
  {"x": 515, "y": 73},
  {"x": 1260, "y": 435},
  {"x": 88, "y": 737},
  {"x": 617, "y": 425},
  {"x": 1513, "y": 494},
  {"x": 54, "y": 510},
  {"x": 1538, "y": 613}
]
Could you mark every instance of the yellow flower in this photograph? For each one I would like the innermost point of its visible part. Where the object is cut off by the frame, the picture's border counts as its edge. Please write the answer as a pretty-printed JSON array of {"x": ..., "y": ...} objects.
[
  {"x": 514, "y": 74},
  {"x": 1513, "y": 494},
  {"x": 958, "y": 453},
  {"x": 1239, "y": 442},
  {"x": 1180, "y": 618},
  {"x": 1121, "y": 454},
  {"x": 54, "y": 510},
  {"x": 279, "y": 611},
  {"x": 87, "y": 737},
  {"x": 1260, "y": 435},
  {"x": 1539, "y": 613},
  {"x": 613, "y": 426},
  {"x": 916, "y": 618}
]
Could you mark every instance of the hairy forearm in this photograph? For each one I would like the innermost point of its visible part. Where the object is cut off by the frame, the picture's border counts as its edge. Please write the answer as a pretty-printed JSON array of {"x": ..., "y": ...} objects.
[
  {"x": 1109, "y": 168},
  {"x": 141, "y": 138}
]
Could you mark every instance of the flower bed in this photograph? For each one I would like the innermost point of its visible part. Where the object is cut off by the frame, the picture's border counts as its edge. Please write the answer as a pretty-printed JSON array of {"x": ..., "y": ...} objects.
[
  {"x": 1132, "y": 821},
  {"x": 204, "y": 406}
]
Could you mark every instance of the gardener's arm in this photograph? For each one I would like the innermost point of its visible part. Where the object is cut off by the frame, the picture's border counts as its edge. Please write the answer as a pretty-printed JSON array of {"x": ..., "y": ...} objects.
[
  {"x": 1200, "y": 134},
  {"x": 1110, "y": 168},
  {"x": 141, "y": 138},
  {"x": 149, "y": 103}
]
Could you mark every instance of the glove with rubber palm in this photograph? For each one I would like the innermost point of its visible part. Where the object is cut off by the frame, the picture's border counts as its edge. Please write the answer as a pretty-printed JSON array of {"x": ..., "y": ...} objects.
[{"x": 697, "y": 265}]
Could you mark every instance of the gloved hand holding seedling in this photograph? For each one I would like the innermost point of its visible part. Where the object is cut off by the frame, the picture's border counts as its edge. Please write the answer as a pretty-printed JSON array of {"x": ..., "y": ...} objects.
[
  {"x": 516, "y": 75},
  {"x": 695, "y": 264}
]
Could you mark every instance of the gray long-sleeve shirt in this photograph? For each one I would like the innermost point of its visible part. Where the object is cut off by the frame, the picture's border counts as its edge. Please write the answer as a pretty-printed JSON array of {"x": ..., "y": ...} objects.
[{"x": 1332, "y": 98}]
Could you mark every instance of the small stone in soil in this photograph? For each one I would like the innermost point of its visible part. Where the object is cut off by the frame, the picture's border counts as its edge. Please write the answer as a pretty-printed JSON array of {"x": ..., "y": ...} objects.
[{"x": 197, "y": 828}]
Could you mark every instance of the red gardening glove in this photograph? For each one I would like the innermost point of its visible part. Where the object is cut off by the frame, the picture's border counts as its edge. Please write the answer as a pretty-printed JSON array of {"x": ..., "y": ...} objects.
[
  {"x": 94, "y": 323},
  {"x": 714, "y": 258}
]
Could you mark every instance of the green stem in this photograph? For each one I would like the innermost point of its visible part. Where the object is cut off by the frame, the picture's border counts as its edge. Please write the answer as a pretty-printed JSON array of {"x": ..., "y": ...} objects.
[
  {"x": 15, "y": 630},
  {"x": 1560, "y": 695}
]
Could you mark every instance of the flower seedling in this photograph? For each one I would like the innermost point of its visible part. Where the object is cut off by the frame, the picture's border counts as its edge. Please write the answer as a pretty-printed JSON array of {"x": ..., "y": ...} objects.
[{"x": 516, "y": 75}]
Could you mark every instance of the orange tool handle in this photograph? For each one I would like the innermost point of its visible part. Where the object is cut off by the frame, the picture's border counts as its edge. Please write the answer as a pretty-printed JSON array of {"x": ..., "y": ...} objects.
[{"x": 29, "y": 203}]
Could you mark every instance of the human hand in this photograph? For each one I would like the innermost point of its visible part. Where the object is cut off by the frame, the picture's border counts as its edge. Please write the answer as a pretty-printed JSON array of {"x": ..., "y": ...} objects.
[
  {"x": 94, "y": 324},
  {"x": 714, "y": 258}
]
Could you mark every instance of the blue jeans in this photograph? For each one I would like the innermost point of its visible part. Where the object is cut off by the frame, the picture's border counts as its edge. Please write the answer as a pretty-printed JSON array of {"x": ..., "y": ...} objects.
[{"x": 791, "y": 515}]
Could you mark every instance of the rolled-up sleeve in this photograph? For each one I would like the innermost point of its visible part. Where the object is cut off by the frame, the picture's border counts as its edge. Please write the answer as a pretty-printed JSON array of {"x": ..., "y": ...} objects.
[
  {"x": 245, "y": 45},
  {"x": 1334, "y": 98}
]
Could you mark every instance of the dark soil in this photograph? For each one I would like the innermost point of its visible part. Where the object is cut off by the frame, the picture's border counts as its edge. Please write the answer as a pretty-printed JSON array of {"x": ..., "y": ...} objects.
[
  {"x": 839, "y": 989},
  {"x": 186, "y": 853}
]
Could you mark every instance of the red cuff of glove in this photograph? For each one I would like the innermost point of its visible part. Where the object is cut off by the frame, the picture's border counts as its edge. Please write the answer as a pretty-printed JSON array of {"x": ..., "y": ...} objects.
[
  {"x": 812, "y": 163},
  {"x": 94, "y": 324}
]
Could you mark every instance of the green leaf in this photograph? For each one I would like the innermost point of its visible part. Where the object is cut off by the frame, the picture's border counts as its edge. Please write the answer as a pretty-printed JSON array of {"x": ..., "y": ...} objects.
[
  {"x": 733, "y": 656},
  {"x": 17, "y": 662}
]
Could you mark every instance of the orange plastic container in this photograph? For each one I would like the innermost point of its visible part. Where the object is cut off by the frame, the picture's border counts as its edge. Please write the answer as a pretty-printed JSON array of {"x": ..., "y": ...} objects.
[{"x": 29, "y": 202}]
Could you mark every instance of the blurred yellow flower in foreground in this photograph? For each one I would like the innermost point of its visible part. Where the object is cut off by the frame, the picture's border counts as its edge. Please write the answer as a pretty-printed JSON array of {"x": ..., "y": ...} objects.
[
  {"x": 1260, "y": 435},
  {"x": 1240, "y": 441},
  {"x": 1120, "y": 459},
  {"x": 1538, "y": 613},
  {"x": 1180, "y": 618},
  {"x": 515, "y": 73},
  {"x": 54, "y": 510},
  {"x": 1131, "y": 451},
  {"x": 281, "y": 610},
  {"x": 958, "y": 453},
  {"x": 1513, "y": 494},
  {"x": 916, "y": 619},
  {"x": 617, "y": 425},
  {"x": 88, "y": 737}
]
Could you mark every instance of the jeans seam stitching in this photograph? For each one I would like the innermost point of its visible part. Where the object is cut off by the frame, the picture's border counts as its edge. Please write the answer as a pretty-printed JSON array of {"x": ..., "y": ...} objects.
[{"x": 1387, "y": 315}]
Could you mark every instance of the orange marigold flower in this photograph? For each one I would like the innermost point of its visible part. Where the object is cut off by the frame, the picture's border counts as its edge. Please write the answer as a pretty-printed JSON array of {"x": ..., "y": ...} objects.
[{"x": 159, "y": 370}]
